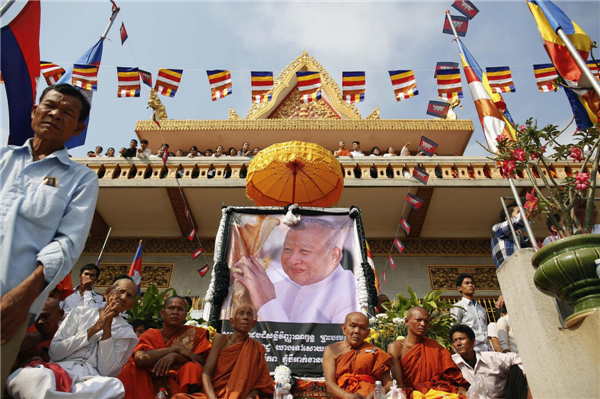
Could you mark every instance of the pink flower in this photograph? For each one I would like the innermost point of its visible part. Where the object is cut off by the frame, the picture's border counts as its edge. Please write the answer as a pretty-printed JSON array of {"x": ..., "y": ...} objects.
[
  {"x": 537, "y": 154},
  {"x": 532, "y": 201},
  {"x": 518, "y": 155},
  {"x": 522, "y": 128},
  {"x": 508, "y": 168},
  {"x": 582, "y": 181},
  {"x": 501, "y": 137},
  {"x": 576, "y": 154}
]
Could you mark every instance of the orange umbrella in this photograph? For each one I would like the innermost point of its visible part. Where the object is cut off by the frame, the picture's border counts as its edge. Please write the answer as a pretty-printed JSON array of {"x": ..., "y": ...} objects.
[{"x": 295, "y": 173}]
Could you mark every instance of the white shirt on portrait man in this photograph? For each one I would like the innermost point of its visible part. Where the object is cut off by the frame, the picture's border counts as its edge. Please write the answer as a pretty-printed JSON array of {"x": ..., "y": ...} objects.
[
  {"x": 507, "y": 339},
  {"x": 492, "y": 368},
  {"x": 473, "y": 315},
  {"x": 91, "y": 364},
  {"x": 327, "y": 301}
]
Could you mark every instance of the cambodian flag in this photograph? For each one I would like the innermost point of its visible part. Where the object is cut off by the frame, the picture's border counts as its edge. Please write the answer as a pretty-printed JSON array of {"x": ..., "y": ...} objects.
[
  {"x": 466, "y": 8},
  {"x": 399, "y": 245},
  {"x": 136, "y": 267},
  {"x": 414, "y": 202},
  {"x": 392, "y": 264},
  {"x": 421, "y": 175},
  {"x": 91, "y": 57},
  {"x": 428, "y": 146},
  {"x": 461, "y": 24},
  {"x": 20, "y": 65},
  {"x": 405, "y": 225}
]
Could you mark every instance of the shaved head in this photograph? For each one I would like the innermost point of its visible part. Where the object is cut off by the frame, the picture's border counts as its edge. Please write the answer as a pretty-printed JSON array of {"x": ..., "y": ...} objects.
[
  {"x": 416, "y": 310},
  {"x": 49, "y": 318},
  {"x": 52, "y": 305},
  {"x": 356, "y": 329},
  {"x": 171, "y": 298},
  {"x": 245, "y": 306},
  {"x": 356, "y": 316},
  {"x": 417, "y": 320}
]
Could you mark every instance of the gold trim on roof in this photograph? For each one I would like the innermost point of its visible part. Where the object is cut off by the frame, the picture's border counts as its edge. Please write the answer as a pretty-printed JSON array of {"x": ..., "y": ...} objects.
[
  {"x": 283, "y": 82},
  {"x": 305, "y": 124}
]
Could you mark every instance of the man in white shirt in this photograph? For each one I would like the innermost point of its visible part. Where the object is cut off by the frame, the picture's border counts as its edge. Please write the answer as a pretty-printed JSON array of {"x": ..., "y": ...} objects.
[
  {"x": 508, "y": 341},
  {"x": 84, "y": 294},
  {"x": 500, "y": 374},
  {"x": 356, "y": 152},
  {"x": 143, "y": 152},
  {"x": 470, "y": 312},
  {"x": 315, "y": 288},
  {"x": 92, "y": 346}
]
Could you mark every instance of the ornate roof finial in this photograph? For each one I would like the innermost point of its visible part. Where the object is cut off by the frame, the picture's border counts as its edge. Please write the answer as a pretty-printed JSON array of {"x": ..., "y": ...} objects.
[
  {"x": 374, "y": 114},
  {"x": 159, "y": 109},
  {"x": 233, "y": 114}
]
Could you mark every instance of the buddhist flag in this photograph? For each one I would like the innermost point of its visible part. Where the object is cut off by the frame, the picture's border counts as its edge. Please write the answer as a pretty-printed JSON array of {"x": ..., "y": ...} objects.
[
  {"x": 399, "y": 245},
  {"x": 309, "y": 86},
  {"x": 52, "y": 72},
  {"x": 449, "y": 84},
  {"x": 404, "y": 83},
  {"x": 428, "y": 146},
  {"x": 353, "y": 86},
  {"x": 262, "y": 86},
  {"x": 466, "y": 8},
  {"x": 203, "y": 270},
  {"x": 438, "y": 109},
  {"x": 442, "y": 65},
  {"x": 168, "y": 81},
  {"x": 405, "y": 225},
  {"x": 197, "y": 252},
  {"x": 494, "y": 120},
  {"x": 135, "y": 272},
  {"x": 85, "y": 76},
  {"x": 544, "y": 77},
  {"x": 594, "y": 68},
  {"x": 392, "y": 264},
  {"x": 500, "y": 79},
  {"x": 20, "y": 66},
  {"x": 220, "y": 83},
  {"x": 129, "y": 82},
  {"x": 123, "y": 33},
  {"x": 421, "y": 175},
  {"x": 146, "y": 78},
  {"x": 461, "y": 24},
  {"x": 414, "y": 202}
]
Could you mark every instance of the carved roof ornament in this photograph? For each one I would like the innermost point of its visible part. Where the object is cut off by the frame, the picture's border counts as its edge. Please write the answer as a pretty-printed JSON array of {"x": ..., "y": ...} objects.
[
  {"x": 233, "y": 114},
  {"x": 374, "y": 114},
  {"x": 159, "y": 109},
  {"x": 286, "y": 81},
  {"x": 453, "y": 104}
]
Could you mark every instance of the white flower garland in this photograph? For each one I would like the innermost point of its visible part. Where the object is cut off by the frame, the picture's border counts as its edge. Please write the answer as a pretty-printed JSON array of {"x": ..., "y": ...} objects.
[
  {"x": 283, "y": 375},
  {"x": 361, "y": 281}
]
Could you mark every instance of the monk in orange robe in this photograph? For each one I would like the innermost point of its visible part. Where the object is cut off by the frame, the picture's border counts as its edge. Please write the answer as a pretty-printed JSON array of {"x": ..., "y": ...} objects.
[
  {"x": 352, "y": 366},
  {"x": 236, "y": 367},
  {"x": 424, "y": 366},
  {"x": 171, "y": 357}
]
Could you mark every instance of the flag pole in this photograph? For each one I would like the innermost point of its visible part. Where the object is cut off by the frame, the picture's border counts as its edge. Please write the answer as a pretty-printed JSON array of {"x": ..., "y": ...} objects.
[
  {"x": 112, "y": 20},
  {"x": 511, "y": 181},
  {"x": 103, "y": 246},
  {"x": 6, "y": 6},
  {"x": 581, "y": 63}
]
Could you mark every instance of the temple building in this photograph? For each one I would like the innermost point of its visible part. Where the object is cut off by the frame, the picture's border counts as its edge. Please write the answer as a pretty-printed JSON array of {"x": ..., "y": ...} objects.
[{"x": 450, "y": 234}]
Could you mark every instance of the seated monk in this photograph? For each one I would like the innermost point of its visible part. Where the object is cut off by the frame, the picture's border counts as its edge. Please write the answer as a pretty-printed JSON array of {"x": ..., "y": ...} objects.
[
  {"x": 37, "y": 340},
  {"x": 352, "y": 366},
  {"x": 170, "y": 358},
  {"x": 236, "y": 367},
  {"x": 424, "y": 366}
]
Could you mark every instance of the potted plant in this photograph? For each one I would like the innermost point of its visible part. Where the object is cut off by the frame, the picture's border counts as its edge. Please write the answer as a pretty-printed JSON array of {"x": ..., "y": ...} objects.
[{"x": 565, "y": 268}]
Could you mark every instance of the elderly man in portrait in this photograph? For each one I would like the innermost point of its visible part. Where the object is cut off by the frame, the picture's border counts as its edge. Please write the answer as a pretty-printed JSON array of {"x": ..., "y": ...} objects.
[
  {"x": 315, "y": 288},
  {"x": 47, "y": 205}
]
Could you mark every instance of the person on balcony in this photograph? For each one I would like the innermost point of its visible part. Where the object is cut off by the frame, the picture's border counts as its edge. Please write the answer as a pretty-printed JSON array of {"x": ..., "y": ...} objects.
[
  {"x": 143, "y": 152},
  {"x": 110, "y": 152},
  {"x": 375, "y": 152},
  {"x": 341, "y": 151},
  {"x": 503, "y": 242},
  {"x": 390, "y": 152},
  {"x": 356, "y": 152},
  {"x": 194, "y": 152},
  {"x": 245, "y": 151},
  {"x": 132, "y": 150}
]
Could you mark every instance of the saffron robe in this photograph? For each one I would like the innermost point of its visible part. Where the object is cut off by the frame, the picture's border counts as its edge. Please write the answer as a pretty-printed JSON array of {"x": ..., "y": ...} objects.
[
  {"x": 138, "y": 382},
  {"x": 357, "y": 370},
  {"x": 240, "y": 369},
  {"x": 428, "y": 365}
]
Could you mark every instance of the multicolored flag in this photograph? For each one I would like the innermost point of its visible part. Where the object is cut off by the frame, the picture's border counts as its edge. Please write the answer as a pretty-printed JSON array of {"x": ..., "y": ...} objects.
[
  {"x": 404, "y": 83},
  {"x": 167, "y": 82},
  {"x": 500, "y": 79},
  {"x": 438, "y": 109},
  {"x": 135, "y": 272},
  {"x": 372, "y": 264},
  {"x": 428, "y": 146},
  {"x": 414, "y": 202},
  {"x": 466, "y": 8},
  {"x": 123, "y": 33},
  {"x": 421, "y": 175},
  {"x": 91, "y": 57},
  {"x": 544, "y": 77},
  {"x": 203, "y": 270},
  {"x": 85, "y": 76},
  {"x": 220, "y": 83},
  {"x": 20, "y": 66},
  {"x": 192, "y": 234},
  {"x": 146, "y": 78},
  {"x": 449, "y": 84},
  {"x": 353, "y": 86},
  {"x": 309, "y": 86},
  {"x": 399, "y": 245},
  {"x": 129, "y": 82},
  {"x": 52, "y": 72},
  {"x": 461, "y": 24},
  {"x": 549, "y": 19},
  {"x": 405, "y": 225},
  {"x": 594, "y": 68},
  {"x": 442, "y": 65},
  {"x": 197, "y": 252},
  {"x": 392, "y": 263},
  {"x": 262, "y": 86}
]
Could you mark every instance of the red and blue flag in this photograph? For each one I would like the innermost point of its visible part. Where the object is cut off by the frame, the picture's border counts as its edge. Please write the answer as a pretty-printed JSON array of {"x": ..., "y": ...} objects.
[
  {"x": 197, "y": 252},
  {"x": 405, "y": 225},
  {"x": 442, "y": 65},
  {"x": 20, "y": 66},
  {"x": 428, "y": 146},
  {"x": 414, "y": 202},
  {"x": 392, "y": 265},
  {"x": 466, "y": 8},
  {"x": 421, "y": 175},
  {"x": 438, "y": 109},
  {"x": 461, "y": 24},
  {"x": 146, "y": 78},
  {"x": 192, "y": 234},
  {"x": 123, "y": 33},
  {"x": 203, "y": 270},
  {"x": 399, "y": 245},
  {"x": 135, "y": 272}
]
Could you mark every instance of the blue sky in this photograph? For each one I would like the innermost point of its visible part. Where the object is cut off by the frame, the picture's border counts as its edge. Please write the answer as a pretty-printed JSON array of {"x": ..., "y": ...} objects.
[{"x": 343, "y": 36}]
